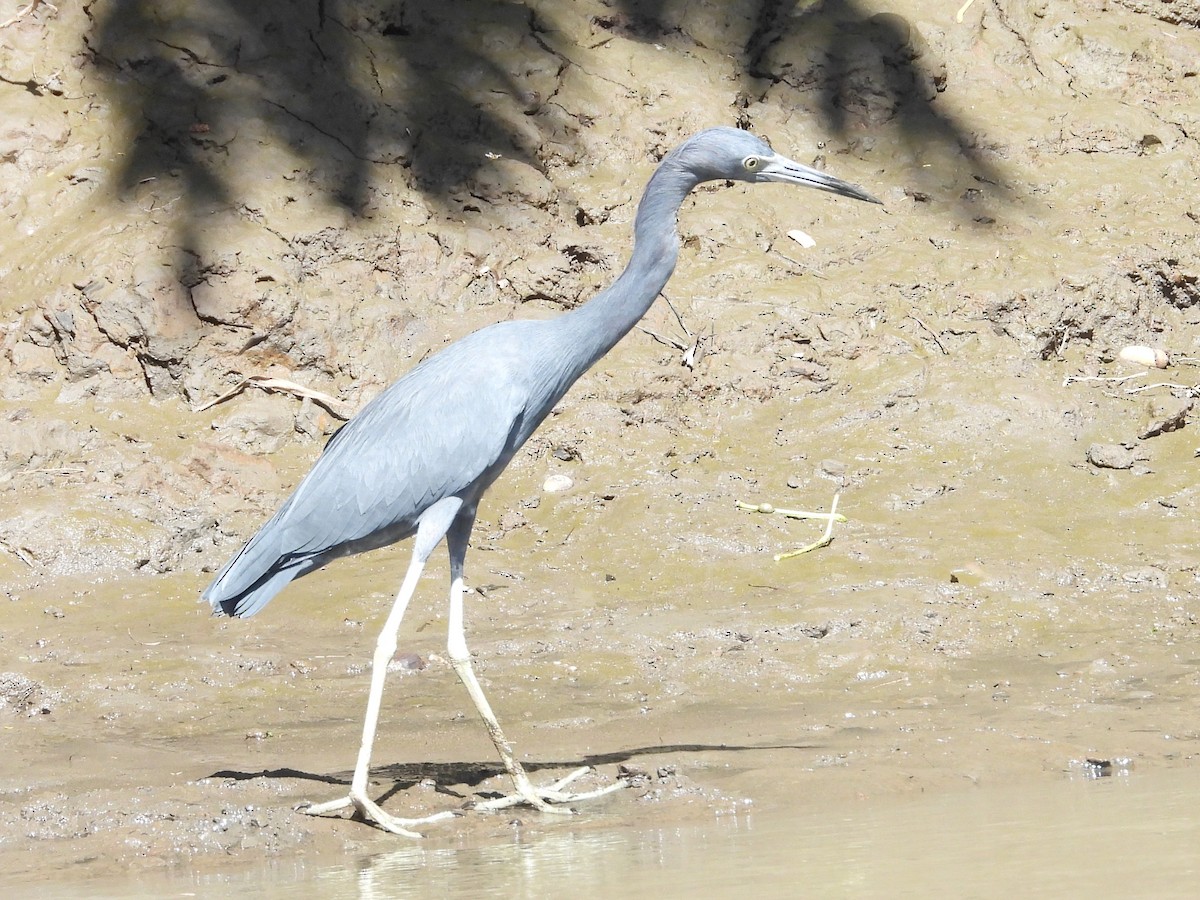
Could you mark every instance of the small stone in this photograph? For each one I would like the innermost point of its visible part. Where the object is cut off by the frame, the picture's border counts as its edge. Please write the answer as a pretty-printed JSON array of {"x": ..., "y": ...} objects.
[
  {"x": 556, "y": 484},
  {"x": 1165, "y": 415},
  {"x": 406, "y": 662},
  {"x": 833, "y": 467},
  {"x": 1146, "y": 575},
  {"x": 1149, "y": 357},
  {"x": 1110, "y": 456}
]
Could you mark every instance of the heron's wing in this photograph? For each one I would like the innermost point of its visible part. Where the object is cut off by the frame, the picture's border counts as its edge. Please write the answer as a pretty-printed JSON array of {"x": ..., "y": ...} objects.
[
  {"x": 443, "y": 430},
  {"x": 431, "y": 435}
]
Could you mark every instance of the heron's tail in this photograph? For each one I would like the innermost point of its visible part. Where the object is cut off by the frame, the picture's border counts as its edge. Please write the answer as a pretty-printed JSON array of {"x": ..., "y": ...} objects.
[{"x": 256, "y": 573}]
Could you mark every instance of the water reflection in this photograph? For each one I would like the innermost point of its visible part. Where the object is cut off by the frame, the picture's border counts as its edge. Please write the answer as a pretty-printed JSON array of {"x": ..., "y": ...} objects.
[{"x": 1137, "y": 835}]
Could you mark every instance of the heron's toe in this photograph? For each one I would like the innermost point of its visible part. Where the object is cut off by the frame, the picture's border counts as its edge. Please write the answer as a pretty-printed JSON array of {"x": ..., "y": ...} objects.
[
  {"x": 369, "y": 811},
  {"x": 552, "y": 798}
]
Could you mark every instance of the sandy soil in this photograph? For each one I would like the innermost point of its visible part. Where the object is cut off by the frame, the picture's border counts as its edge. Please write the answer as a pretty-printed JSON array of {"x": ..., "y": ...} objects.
[{"x": 192, "y": 198}]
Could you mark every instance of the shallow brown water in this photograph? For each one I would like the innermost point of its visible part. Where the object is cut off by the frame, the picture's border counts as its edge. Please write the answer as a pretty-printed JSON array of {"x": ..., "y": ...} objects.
[{"x": 1122, "y": 836}]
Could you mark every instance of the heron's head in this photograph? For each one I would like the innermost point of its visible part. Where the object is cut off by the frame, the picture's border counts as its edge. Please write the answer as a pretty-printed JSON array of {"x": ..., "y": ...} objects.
[{"x": 728, "y": 153}]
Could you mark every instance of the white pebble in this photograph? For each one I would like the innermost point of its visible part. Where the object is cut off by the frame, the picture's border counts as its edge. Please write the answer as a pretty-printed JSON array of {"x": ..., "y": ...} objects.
[
  {"x": 556, "y": 484},
  {"x": 1149, "y": 357}
]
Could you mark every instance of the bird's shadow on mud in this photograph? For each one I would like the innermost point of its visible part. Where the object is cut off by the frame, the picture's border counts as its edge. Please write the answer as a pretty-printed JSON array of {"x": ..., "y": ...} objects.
[{"x": 471, "y": 774}]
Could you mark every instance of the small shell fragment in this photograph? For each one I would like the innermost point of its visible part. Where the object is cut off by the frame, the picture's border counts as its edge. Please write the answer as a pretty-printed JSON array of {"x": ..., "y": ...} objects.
[
  {"x": 1150, "y": 357},
  {"x": 555, "y": 484},
  {"x": 801, "y": 238}
]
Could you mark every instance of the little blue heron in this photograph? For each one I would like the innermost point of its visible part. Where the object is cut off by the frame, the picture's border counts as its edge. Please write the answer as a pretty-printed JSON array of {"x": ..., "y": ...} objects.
[{"x": 418, "y": 458}]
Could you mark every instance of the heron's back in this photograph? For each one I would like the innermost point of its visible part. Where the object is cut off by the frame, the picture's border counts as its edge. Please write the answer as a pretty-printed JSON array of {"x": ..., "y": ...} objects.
[{"x": 447, "y": 428}]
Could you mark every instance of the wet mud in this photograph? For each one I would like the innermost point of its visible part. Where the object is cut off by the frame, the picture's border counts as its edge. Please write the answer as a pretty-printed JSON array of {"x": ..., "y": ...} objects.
[{"x": 1013, "y": 594}]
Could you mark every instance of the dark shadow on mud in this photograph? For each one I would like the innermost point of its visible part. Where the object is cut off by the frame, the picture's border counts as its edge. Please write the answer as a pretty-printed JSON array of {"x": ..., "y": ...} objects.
[
  {"x": 349, "y": 89},
  {"x": 432, "y": 93},
  {"x": 407, "y": 775},
  {"x": 872, "y": 74}
]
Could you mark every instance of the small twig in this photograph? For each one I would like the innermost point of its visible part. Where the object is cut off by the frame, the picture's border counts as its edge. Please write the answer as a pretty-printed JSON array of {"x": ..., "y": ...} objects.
[
  {"x": 1114, "y": 379},
  {"x": 825, "y": 538},
  {"x": 962, "y": 11},
  {"x": 932, "y": 334},
  {"x": 879, "y": 684},
  {"x": 691, "y": 356},
  {"x": 155, "y": 208},
  {"x": 17, "y": 552},
  {"x": 678, "y": 317},
  {"x": 803, "y": 267},
  {"x": 768, "y": 509},
  {"x": 691, "y": 353},
  {"x": 60, "y": 470},
  {"x": 33, "y": 4},
  {"x": 271, "y": 385},
  {"x": 830, "y": 517},
  {"x": 1192, "y": 389},
  {"x": 668, "y": 341}
]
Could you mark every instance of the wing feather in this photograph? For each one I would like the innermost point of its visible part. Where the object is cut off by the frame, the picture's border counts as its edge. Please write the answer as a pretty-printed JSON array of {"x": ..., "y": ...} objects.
[{"x": 445, "y": 429}]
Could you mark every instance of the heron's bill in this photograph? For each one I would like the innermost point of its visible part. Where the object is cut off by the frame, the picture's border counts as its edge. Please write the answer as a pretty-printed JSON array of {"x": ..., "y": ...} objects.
[{"x": 787, "y": 171}]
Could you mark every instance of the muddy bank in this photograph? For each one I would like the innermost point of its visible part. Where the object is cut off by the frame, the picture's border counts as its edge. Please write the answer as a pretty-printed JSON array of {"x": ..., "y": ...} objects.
[{"x": 186, "y": 205}]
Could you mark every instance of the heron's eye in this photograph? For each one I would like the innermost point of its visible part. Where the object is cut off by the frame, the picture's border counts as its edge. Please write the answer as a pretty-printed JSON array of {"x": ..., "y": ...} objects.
[{"x": 751, "y": 163}]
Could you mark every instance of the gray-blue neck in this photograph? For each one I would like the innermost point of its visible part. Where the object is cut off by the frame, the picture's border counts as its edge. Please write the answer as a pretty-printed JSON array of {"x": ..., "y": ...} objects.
[{"x": 600, "y": 323}]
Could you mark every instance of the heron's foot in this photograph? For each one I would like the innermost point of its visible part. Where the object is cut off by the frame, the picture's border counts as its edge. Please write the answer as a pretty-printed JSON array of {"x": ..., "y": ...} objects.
[
  {"x": 552, "y": 798},
  {"x": 368, "y": 810},
  {"x": 830, "y": 518}
]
